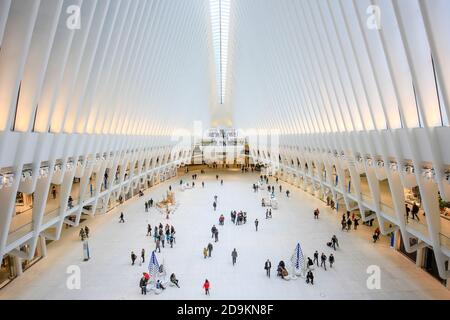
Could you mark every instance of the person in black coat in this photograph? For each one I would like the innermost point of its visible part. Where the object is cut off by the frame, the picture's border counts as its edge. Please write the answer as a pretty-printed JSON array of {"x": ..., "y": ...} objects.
[
  {"x": 143, "y": 285},
  {"x": 267, "y": 267}
]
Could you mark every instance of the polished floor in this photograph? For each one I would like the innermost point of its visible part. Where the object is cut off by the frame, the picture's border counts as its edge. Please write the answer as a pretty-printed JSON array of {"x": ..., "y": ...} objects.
[{"x": 109, "y": 274}]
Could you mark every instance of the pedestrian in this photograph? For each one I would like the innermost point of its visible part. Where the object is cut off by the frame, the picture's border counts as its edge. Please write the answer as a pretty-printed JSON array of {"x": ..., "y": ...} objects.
[
  {"x": 323, "y": 259},
  {"x": 162, "y": 240},
  {"x": 149, "y": 230},
  {"x": 221, "y": 182},
  {"x": 205, "y": 252},
  {"x": 155, "y": 233},
  {"x": 143, "y": 255},
  {"x": 158, "y": 244},
  {"x": 214, "y": 205},
  {"x": 54, "y": 192},
  {"x": 287, "y": 193},
  {"x": 143, "y": 285},
  {"x": 210, "y": 249},
  {"x": 356, "y": 223},
  {"x": 256, "y": 224},
  {"x": 310, "y": 277},
  {"x": 331, "y": 260},
  {"x": 216, "y": 236},
  {"x": 213, "y": 231},
  {"x": 408, "y": 210},
  {"x": 344, "y": 225},
  {"x": 281, "y": 188},
  {"x": 206, "y": 286},
  {"x": 316, "y": 213},
  {"x": 334, "y": 241},
  {"x": 133, "y": 258},
  {"x": 146, "y": 207},
  {"x": 267, "y": 267},
  {"x": 316, "y": 257},
  {"x": 349, "y": 224},
  {"x": 82, "y": 234},
  {"x": 203, "y": 184},
  {"x": 121, "y": 218},
  {"x": 415, "y": 211},
  {"x": 151, "y": 202},
  {"x": 234, "y": 255}
]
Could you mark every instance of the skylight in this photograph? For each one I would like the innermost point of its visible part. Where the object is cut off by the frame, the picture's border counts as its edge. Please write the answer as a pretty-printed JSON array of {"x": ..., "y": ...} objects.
[{"x": 220, "y": 18}]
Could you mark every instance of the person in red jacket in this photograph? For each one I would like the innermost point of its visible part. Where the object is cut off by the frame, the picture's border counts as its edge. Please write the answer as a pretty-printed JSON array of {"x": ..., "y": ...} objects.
[{"x": 206, "y": 287}]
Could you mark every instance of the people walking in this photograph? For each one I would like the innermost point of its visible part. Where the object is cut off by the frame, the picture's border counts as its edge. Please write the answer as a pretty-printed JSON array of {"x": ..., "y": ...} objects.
[
  {"x": 206, "y": 286},
  {"x": 213, "y": 231},
  {"x": 334, "y": 241},
  {"x": 415, "y": 211},
  {"x": 234, "y": 256},
  {"x": 210, "y": 249},
  {"x": 310, "y": 277},
  {"x": 331, "y": 260},
  {"x": 82, "y": 234},
  {"x": 143, "y": 285},
  {"x": 316, "y": 257},
  {"x": 143, "y": 255},
  {"x": 256, "y": 224},
  {"x": 323, "y": 259},
  {"x": 267, "y": 267},
  {"x": 121, "y": 219}
]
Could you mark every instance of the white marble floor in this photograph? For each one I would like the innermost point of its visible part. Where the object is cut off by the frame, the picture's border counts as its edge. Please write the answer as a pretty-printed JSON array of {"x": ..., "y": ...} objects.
[{"x": 109, "y": 274}]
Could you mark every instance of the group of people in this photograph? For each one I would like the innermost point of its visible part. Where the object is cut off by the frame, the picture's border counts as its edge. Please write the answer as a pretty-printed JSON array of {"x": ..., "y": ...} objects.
[
  {"x": 348, "y": 221},
  {"x": 84, "y": 233},
  {"x": 134, "y": 257},
  {"x": 143, "y": 283},
  {"x": 148, "y": 204},
  {"x": 238, "y": 218},
  {"x": 414, "y": 211},
  {"x": 162, "y": 234}
]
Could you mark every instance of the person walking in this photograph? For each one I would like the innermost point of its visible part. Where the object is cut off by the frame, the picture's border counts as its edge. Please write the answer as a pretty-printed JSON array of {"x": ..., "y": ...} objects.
[
  {"x": 316, "y": 257},
  {"x": 213, "y": 231},
  {"x": 267, "y": 267},
  {"x": 287, "y": 193},
  {"x": 281, "y": 188},
  {"x": 214, "y": 205},
  {"x": 234, "y": 256},
  {"x": 206, "y": 286},
  {"x": 221, "y": 182},
  {"x": 143, "y": 285},
  {"x": 158, "y": 244},
  {"x": 143, "y": 255},
  {"x": 323, "y": 259},
  {"x": 408, "y": 210},
  {"x": 310, "y": 277},
  {"x": 256, "y": 224},
  {"x": 349, "y": 224},
  {"x": 133, "y": 258},
  {"x": 334, "y": 241},
  {"x": 356, "y": 223},
  {"x": 146, "y": 206},
  {"x": 149, "y": 230},
  {"x": 210, "y": 249},
  {"x": 216, "y": 236},
  {"x": 121, "y": 218},
  {"x": 203, "y": 184},
  {"x": 331, "y": 260},
  {"x": 82, "y": 234},
  {"x": 86, "y": 231},
  {"x": 415, "y": 211},
  {"x": 205, "y": 252},
  {"x": 151, "y": 202}
]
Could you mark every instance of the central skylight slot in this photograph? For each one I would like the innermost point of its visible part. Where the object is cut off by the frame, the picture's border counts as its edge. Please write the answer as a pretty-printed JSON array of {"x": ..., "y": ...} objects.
[{"x": 220, "y": 18}]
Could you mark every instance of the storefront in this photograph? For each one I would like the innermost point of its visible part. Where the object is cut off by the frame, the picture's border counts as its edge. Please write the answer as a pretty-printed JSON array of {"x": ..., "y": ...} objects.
[
  {"x": 7, "y": 271},
  {"x": 413, "y": 255}
]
